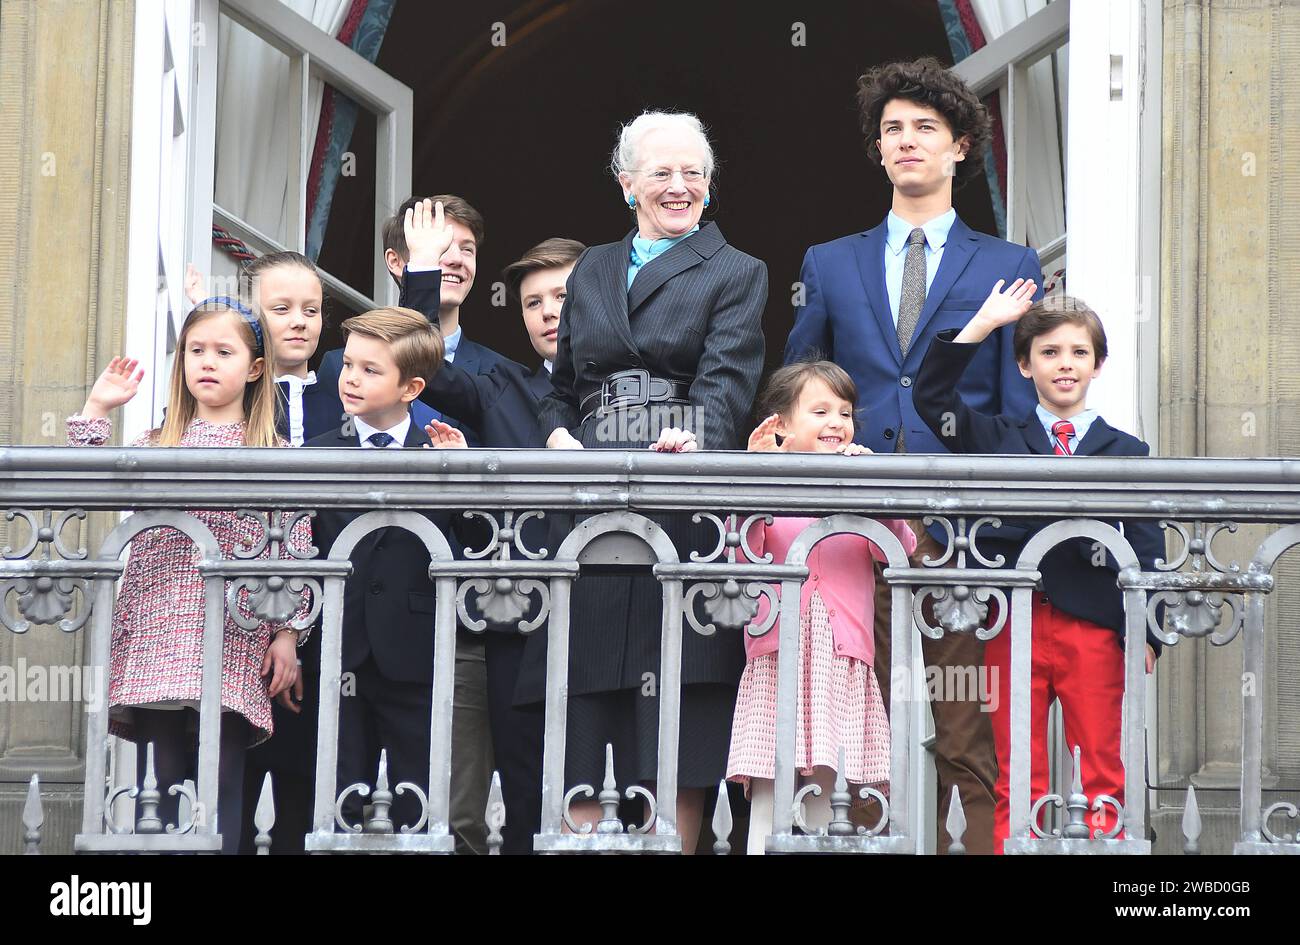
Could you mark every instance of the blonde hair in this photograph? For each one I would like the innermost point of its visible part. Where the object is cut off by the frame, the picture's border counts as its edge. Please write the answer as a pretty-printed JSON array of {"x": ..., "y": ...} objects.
[
  {"x": 259, "y": 395},
  {"x": 417, "y": 348}
]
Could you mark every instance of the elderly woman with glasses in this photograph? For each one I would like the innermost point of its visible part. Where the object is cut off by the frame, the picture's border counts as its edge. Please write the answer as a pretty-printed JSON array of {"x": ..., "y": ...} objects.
[{"x": 660, "y": 346}]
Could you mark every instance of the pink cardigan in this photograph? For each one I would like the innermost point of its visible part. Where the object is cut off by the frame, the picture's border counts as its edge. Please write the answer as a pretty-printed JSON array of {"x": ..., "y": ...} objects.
[{"x": 840, "y": 569}]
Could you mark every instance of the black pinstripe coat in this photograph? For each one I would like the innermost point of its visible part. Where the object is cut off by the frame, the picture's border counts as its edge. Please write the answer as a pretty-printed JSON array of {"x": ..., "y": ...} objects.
[{"x": 693, "y": 314}]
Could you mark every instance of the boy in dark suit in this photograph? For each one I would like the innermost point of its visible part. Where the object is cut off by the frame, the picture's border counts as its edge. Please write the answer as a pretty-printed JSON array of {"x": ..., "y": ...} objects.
[
  {"x": 436, "y": 277},
  {"x": 1078, "y": 615},
  {"x": 388, "y": 609},
  {"x": 503, "y": 405}
]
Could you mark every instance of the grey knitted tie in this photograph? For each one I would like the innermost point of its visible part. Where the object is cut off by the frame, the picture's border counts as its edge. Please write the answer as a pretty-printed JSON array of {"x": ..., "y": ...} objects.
[{"x": 911, "y": 300}]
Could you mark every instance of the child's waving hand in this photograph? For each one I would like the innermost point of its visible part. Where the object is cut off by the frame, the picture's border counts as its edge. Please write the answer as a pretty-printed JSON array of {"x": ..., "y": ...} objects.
[
  {"x": 763, "y": 439},
  {"x": 1003, "y": 308},
  {"x": 428, "y": 234},
  {"x": 115, "y": 386},
  {"x": 443, "y": 436},
  {"x": 1000, "y": 308},
  {"x": 193, "y": 284}
]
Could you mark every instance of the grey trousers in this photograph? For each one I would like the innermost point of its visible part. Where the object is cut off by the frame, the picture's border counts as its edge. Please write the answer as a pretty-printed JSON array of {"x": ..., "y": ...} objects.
[{"x": 471, "y": 748}]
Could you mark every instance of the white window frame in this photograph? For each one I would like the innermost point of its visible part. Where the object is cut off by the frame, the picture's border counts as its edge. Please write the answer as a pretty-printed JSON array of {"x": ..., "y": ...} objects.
[
  {"x": 314, "y": 54},
  {"x": 161, "y": 138},
  {"x": 173, "y": 159},
  {"x": 1004, "y": 64}
]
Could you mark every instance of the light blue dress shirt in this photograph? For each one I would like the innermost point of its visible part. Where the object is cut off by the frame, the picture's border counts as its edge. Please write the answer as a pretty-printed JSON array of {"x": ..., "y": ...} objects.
[
  {"x": 1081, "y": 420},
  {"x": 896, "y": 232},
  {"x": 451, "y": 343},
  {"x": 644, "y": 250}
]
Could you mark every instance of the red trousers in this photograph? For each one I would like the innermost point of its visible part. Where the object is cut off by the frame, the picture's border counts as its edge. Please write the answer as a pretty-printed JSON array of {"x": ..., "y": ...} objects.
[{"x": 1082, "y": 665}]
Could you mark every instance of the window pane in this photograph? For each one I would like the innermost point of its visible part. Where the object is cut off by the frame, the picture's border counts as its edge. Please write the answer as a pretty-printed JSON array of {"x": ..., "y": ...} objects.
[{"x": 253, "y": 147}]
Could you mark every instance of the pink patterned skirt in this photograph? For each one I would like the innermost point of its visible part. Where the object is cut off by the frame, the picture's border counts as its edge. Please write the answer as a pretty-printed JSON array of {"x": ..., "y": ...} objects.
[{"x": 839, "y": 705}]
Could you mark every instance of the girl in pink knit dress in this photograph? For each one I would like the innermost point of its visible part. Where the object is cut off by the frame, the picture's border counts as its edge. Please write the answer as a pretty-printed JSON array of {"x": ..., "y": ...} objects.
[
  {"x": 221, "y": 394},
  {"x": 810, "y": 406}
]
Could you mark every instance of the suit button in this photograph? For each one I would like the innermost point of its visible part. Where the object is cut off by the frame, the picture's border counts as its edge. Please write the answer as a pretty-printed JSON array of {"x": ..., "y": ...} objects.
[
  {"x": 816, "y": 577},
  {"x": 905, "y": 381},
  {"x": 889, "y": 434},
  {"x": 376, "y": 587},
  {"x": 832, "y": 614}
]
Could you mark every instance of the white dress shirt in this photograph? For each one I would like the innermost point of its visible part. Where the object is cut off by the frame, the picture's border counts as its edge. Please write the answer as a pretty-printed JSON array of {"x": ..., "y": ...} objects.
[
  {"x": 296, "y": 385},
  {"x": 398, "y": 433}
]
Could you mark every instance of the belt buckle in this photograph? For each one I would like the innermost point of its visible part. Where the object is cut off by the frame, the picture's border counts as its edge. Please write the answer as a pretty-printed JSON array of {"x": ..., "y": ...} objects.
[{"x": 640, "y": 399}]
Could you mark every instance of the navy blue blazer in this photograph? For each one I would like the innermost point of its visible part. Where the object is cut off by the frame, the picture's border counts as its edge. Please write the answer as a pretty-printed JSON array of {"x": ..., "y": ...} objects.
[
  {"x": 1071, "y": 579},
  {"x": 388, "y": 602},
  {"x": 846, "y": 318},
  {"x": 422, "y": 291},
  {"x": 500, "y": 404}
]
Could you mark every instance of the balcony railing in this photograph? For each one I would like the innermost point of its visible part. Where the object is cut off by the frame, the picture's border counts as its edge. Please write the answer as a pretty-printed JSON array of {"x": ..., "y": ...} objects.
[{"x": 616, "y": 495}]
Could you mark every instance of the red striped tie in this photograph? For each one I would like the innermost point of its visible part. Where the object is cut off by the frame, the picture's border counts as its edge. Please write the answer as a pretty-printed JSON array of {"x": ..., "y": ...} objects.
[{"x": 1062, "y": 430}]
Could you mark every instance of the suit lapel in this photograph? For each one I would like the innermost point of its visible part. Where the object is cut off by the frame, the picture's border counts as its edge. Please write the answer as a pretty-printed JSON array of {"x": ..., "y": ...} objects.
[
  {"x": 957, "y": 254},
  {"x": 467, "y": 355},
  {"x": 540, "y": 382},
  {"x": 1035, "y": 436},
  {"x": 282, "y": 410},
  {"x": 870, "y": 251},
  {"x": 348, "y": 435},
  {"x": 610, "y": 272},
  {"x": 415, "y": 435},
  {"x": 1097, "y": 440},
  {"x": 677, "y": 259}
]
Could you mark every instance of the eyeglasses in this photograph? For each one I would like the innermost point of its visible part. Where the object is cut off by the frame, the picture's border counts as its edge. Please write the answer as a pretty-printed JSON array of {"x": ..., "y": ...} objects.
[{"x": 662, "y": 175}]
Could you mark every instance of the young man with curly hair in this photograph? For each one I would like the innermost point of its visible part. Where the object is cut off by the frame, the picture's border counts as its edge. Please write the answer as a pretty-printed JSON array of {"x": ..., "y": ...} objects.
[{"x": 873, "y": 301}]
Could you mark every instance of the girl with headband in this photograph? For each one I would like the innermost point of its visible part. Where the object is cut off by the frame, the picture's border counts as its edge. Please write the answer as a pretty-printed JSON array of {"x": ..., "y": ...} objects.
[{"x": 222, "y": 393}]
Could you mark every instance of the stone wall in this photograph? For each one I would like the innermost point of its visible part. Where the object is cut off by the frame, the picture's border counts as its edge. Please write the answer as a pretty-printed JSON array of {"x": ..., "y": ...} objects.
[
  {"x": 65, "y": 121},
  {"x": 1230, "y": 366}
]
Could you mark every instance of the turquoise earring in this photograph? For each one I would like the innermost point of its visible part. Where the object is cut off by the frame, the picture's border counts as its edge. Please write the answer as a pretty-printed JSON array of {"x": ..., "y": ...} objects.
[
  {"x": 631, "y": 201},
  {"x": 706, "y": 200}
]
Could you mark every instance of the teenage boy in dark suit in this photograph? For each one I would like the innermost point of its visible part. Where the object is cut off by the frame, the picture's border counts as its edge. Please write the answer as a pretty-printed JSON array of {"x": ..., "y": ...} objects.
[
  {"x": 437, "y": 276},
  {"x": 388, "y": 609},
  {"x": 1078, "y": 615},
  {"x": 502, "y": 405},
  {"x": 873, "y": 301}
]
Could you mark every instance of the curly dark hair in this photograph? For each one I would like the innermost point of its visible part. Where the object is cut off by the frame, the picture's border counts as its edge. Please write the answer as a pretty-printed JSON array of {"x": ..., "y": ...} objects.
[{"x": 927, "y": 82}]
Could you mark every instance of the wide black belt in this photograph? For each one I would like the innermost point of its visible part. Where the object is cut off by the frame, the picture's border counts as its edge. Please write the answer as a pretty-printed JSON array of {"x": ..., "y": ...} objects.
[{"x": 633, "y": 388}]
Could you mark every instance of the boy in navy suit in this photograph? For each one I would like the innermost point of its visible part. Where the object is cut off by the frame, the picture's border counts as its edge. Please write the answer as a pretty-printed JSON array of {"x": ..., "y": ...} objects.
[
  {"x": 503, "y": 405},
  {"x": 436, "y": 278},
  {"x": 1078, "y": 614},
  {"x": 388, "y": 609},
  {"x": 872, "y": 303}
]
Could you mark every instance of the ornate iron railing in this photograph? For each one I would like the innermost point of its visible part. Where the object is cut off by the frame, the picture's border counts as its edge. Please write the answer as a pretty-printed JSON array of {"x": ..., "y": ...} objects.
[{"x": 43, "y": 580}]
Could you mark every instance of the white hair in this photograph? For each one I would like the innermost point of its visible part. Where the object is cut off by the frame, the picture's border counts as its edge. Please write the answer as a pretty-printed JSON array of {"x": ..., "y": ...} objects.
[{"x": 626, "y": 155}]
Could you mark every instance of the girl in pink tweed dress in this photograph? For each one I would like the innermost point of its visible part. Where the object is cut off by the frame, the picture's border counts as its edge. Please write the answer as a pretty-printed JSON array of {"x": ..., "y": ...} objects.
[
  {"x": 839, "y": 701},
  {"x": 221, "y": 395}
]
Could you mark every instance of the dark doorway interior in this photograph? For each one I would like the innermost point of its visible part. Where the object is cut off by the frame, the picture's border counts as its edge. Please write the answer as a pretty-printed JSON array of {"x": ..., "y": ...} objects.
[{"x": 524, "y": 131}]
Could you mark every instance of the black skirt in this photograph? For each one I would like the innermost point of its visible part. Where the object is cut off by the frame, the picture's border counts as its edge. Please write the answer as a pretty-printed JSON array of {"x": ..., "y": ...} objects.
[{"x": 628, "y": 720}]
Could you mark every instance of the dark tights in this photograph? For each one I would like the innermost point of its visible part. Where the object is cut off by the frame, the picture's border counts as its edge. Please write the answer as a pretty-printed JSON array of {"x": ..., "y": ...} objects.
[{"x": 169, "y": 730}]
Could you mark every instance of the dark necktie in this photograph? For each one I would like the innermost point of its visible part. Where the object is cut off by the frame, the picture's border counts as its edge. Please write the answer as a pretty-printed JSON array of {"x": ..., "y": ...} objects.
[
  {"x": 380, "y": 440},
  {"x": 1062, "y": 430},
  {"x": 910, "y": 301}
]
